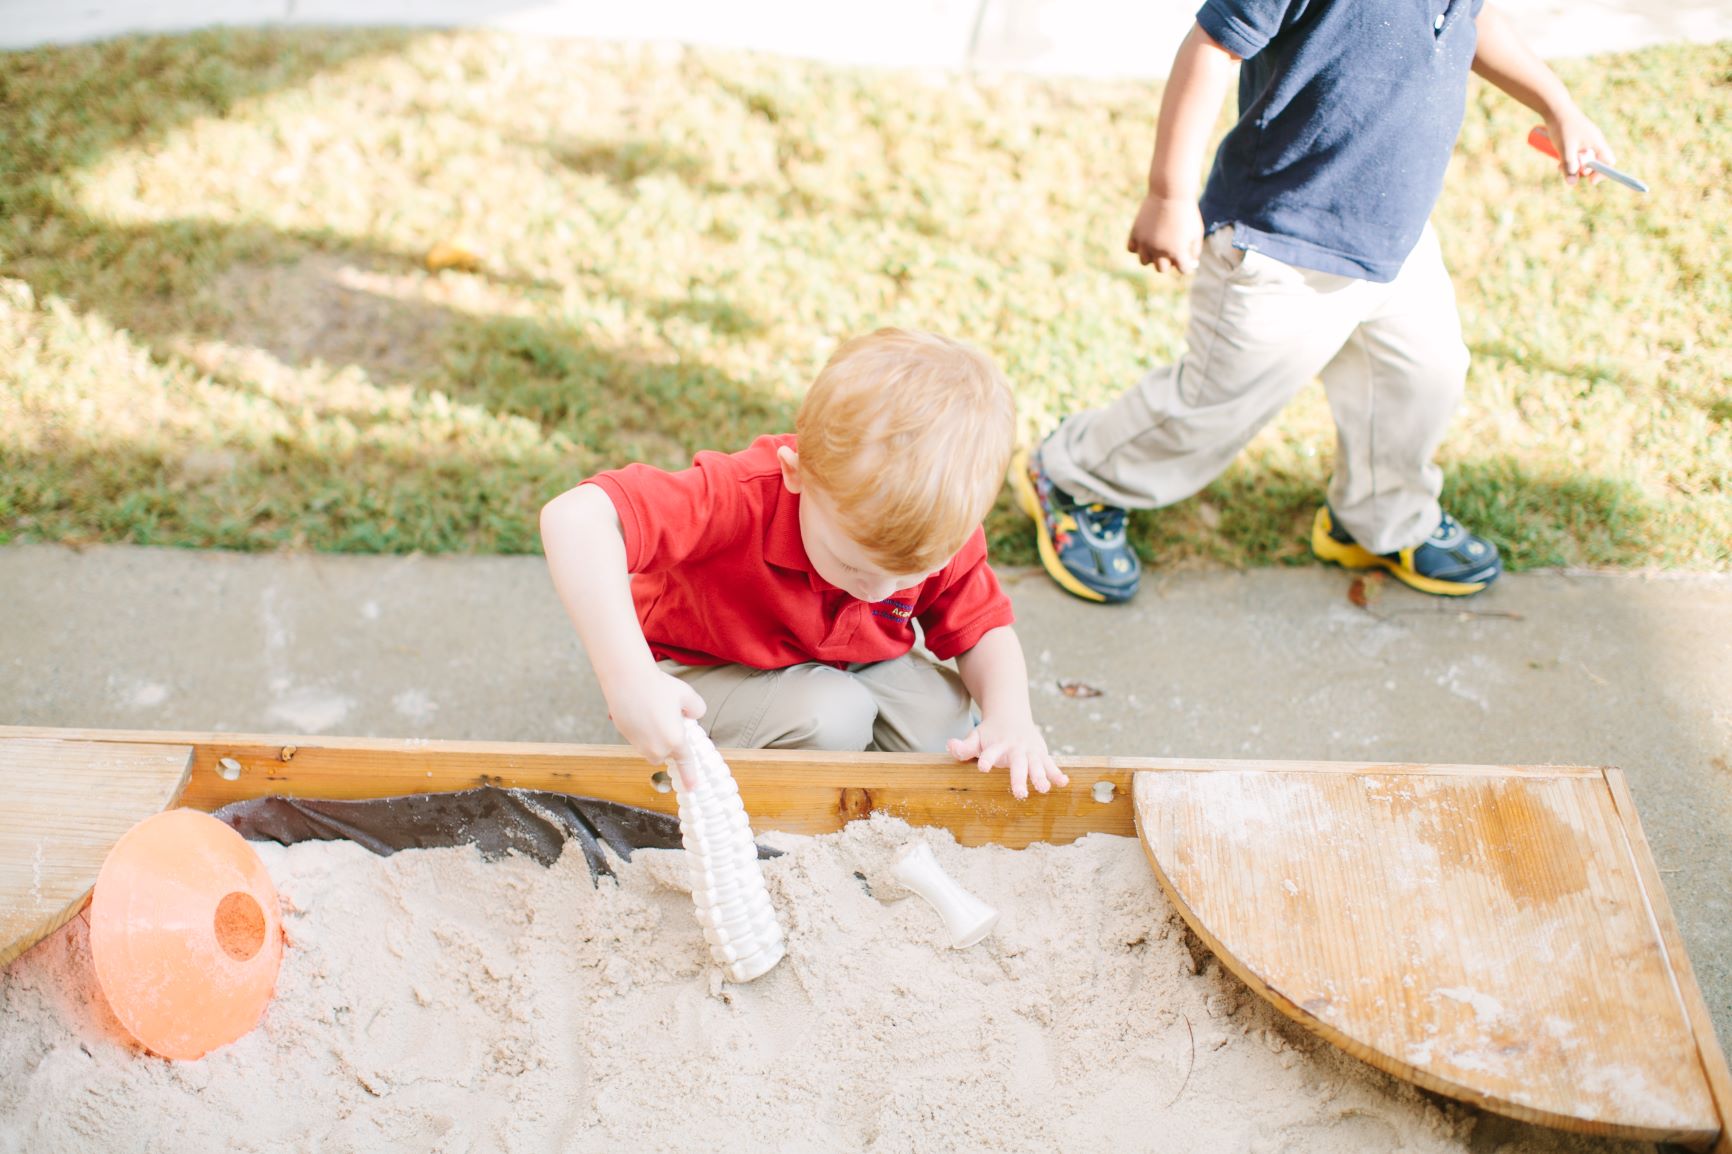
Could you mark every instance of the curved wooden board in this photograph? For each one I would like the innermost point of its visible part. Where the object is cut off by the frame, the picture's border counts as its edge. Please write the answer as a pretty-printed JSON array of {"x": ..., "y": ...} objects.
[
  {"x": 63, "y": 805},
  {"x": 1485, "y": 937}
]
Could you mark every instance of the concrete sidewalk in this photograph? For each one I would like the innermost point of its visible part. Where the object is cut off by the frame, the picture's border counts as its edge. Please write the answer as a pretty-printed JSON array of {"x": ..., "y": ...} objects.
[
  {"x": 1585, "y": 669},
  {"x": 1052, "y": 37}
]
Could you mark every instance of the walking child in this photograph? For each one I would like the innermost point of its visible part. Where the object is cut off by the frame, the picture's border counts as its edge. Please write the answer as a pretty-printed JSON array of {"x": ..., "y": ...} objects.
[{"x": 1312, "y": 256}]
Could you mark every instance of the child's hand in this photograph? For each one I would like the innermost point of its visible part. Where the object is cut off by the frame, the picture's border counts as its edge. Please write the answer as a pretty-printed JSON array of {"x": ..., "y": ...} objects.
[
  {"x": 650, "y": 712},
  {"x": 1168, "y": 234},
  {"x": 1577, "y": 139},
  {"x": 1018, "y": 746}
]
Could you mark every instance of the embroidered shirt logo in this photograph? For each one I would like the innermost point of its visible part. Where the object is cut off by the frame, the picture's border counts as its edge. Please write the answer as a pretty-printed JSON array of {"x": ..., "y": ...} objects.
[{"x": 894, "y": 610}]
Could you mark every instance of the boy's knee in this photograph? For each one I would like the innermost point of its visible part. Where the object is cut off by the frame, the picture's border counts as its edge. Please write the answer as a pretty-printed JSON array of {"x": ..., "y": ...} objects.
[
  {"x": 921, "y": 706},
  {"x": 819, "y": 708},
  {"x": 1435, "y": 388},
  {"x": 1452, "y": 370},
  {"x": 930, "y": 732}
]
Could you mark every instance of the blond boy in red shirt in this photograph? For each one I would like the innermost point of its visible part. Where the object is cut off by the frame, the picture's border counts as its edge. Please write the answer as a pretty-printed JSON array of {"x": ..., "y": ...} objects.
[{"x": 772, "y": 593}]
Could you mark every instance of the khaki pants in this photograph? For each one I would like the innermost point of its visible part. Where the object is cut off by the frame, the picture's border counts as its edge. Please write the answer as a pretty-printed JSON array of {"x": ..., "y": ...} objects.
[
  {"x": 1393, "y": 365},
  {"x": 907, "y": 705}
]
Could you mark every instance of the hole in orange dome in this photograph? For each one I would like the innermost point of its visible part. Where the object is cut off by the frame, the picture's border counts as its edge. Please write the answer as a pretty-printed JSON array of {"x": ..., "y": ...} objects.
[{"x": 240, "y": 926}]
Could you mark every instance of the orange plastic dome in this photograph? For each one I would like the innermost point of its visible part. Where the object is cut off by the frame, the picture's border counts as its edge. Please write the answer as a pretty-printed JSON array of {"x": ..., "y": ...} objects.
[{"x": 185, "y": 933}]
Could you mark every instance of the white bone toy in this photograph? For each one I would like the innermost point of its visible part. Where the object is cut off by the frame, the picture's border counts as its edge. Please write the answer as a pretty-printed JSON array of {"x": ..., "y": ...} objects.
[
  {"x": 733, "y": 907},
  {"x": 966, "y": 917}
]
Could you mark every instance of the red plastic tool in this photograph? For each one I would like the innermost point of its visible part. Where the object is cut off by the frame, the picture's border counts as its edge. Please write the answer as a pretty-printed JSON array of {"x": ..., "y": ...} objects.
[{"x": 1542, "y": 140}]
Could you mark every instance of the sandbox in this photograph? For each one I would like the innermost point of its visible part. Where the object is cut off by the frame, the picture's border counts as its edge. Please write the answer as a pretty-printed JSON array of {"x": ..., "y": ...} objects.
[{"x": 436, "y": 1000}]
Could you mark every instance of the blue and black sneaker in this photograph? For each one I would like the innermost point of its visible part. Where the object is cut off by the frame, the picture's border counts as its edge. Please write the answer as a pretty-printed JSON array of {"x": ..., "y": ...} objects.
[
  {"x": 1451, "y": 562},
  {"x": 1083, "y": 547}
]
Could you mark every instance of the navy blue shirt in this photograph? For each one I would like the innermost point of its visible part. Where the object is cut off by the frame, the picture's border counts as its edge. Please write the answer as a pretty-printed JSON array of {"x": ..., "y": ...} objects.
[{"x": 1348, "y": 112}]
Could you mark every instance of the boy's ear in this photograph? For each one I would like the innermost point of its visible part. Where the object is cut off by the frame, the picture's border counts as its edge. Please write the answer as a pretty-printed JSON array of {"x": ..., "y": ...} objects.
[{"x": 789, "y": 459}]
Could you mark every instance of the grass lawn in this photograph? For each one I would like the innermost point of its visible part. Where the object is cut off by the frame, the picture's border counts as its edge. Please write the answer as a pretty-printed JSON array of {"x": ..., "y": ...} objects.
[{"x": 217, "y": 329}]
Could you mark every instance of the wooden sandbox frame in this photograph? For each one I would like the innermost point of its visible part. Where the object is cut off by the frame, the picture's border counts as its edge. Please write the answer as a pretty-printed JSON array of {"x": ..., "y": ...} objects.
[{"x": 814, "y": 793}]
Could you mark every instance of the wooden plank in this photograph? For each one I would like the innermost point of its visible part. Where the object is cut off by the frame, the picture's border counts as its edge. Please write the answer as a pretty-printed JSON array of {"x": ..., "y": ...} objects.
[
  {"x": 63, "y": 805},
  {"x": 1487, "y": 938},
  {"x": 796, "y": 791},
  {"x": 1713, "y": 1057}
]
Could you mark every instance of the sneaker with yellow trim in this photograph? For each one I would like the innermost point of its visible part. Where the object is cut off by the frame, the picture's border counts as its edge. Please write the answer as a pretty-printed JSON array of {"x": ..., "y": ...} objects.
[
  {"x": 1450, "y": 563},
  {"x": 1083, "y": 547}
]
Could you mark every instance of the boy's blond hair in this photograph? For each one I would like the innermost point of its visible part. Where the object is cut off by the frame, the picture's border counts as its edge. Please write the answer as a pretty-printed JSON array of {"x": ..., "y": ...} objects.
[{"x": 908, "y": 434}]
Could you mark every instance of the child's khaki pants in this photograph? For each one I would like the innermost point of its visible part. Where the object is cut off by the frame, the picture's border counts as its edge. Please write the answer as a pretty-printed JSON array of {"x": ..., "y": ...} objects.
[
  {"x": 1392, "y": 362},
  {"x": 909, "y": 704}
]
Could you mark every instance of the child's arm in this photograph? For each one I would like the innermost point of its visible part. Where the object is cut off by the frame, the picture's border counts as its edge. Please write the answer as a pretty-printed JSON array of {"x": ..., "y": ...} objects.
[
  {"x": 997, "y": 678},
  {"x": 1503, "y": 58},
  {"x": 1168, "y": 232},
  {"x": 580, "y": 533}
]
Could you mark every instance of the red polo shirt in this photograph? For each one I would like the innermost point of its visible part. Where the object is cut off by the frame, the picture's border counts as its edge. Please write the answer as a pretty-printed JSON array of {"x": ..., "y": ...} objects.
[{"x": 720, "y": 574}]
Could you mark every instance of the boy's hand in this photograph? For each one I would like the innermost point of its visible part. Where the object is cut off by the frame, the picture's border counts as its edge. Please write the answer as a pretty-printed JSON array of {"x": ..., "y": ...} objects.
[
  {"x": 650, "y": 712},
  {"x": 1168, "y": 234},
  {"x": 1019, "y": 747},
  {"x": 1577, "y": 139}
]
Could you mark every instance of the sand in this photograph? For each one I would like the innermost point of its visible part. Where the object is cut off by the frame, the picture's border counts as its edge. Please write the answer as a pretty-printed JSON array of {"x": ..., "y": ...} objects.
[{"x": 435, "y": 1001}]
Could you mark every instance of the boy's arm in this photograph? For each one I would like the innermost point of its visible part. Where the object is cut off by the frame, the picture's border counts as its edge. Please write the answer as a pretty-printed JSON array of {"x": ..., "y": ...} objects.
[
  {"x": 997, "y": 678},
  {"x": 580, "y": 533},
  {"x": 1503, "y": 58},
  {"x": 1168, "y": 232}
]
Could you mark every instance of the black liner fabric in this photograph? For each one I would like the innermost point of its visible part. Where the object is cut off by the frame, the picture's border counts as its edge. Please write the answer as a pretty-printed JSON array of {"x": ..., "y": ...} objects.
[{"x": 496, "y": 821}]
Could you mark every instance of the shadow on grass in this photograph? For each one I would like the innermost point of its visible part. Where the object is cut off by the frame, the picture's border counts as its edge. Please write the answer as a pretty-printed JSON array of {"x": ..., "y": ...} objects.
[
  {"x": 1490, "y": 351},
  {"x": 279, "y": 494},
  {"x": 566, "y": 384},
  {"x": 317, "y": 299},
  {"x": 1541, "y": 520},
  {"x": 308, "y": 299},
  {"x": 625, "y": 161},
  {"x": 64, "y": 108},
  {"x": 722, "y": 317},
  {"x": 313, "y": 298}
]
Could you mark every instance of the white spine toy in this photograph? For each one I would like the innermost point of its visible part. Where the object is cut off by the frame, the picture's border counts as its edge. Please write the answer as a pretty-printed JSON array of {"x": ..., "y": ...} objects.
[
  {"x": 733, "y": 906},
  {"x": 966, "y": 917}
]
